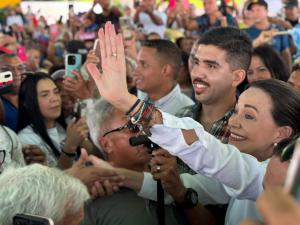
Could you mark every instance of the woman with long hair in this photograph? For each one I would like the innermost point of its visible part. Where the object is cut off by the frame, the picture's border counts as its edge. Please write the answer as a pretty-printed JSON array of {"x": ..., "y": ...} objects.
[
  {"x": 266, "y": 63},
  {"x": 41, "y": 123}
]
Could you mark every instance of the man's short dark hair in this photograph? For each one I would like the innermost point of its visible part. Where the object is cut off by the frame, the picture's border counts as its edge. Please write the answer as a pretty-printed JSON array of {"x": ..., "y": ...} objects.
[
  {"x": 234, "y": 42},
  {"x": 167, "y": 51}
]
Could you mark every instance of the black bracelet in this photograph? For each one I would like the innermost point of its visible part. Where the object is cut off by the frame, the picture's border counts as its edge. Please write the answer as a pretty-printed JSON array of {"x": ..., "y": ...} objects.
[
  {"x": 133, "y": 106},
  {"x": 71, "y": 155}
]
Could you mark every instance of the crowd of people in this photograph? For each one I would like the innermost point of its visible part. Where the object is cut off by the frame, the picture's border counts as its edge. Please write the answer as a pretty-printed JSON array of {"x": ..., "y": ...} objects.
[{"x": 218, "y": 93}]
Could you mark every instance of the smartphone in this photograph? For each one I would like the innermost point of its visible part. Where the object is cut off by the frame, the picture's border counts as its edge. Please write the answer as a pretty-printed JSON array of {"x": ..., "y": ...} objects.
[
  {"x": 97, "y": 52},
  {"x": 27, "y": 219},
  {"x": 292, "y": 183},
  {"x": 72, "y": 62},
  {"x": 125, "y": 22},
  {"x": 6, "y": 82}
]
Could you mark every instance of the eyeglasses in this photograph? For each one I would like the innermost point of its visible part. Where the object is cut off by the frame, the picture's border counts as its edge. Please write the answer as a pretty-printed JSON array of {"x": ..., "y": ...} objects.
[
  {"x": 132, "y": 128},
  {"x": 2, "y": 156},
  {"x": 19, "y": 68}
]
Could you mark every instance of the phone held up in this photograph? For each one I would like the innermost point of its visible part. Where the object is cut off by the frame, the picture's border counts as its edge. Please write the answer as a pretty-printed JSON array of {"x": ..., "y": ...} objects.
[
  {"x": 72, "y": 62},
  {"x": 6, "y": 82},
  {"x": 27, "y": 219}
]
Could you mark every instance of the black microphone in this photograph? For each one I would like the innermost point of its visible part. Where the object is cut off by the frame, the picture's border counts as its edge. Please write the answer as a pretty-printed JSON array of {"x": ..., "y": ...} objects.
[{"x": 143, "y": 140}]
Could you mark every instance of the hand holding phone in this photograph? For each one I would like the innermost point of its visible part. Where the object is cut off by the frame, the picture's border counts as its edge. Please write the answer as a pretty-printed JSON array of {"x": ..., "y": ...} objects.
[
  {"x": 27, "y": 219},
  {"x": 72, "y": 62},
  {"x": 6, "y": 82}
]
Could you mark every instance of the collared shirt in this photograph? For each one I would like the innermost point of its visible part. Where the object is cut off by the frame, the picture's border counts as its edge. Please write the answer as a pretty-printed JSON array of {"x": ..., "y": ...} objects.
[
  {"x": 241, "y": 173},
  {"x": 171, "y": 103},
  {"x": 219, "y": 129}
]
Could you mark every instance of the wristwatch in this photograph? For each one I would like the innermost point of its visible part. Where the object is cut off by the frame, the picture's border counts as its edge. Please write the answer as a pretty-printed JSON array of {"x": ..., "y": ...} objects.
[{"x": 190, "y": 199}]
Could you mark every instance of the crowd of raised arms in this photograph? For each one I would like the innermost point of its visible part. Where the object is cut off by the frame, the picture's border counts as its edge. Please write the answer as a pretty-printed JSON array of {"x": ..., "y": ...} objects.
[{"x": 153, "y": 113}]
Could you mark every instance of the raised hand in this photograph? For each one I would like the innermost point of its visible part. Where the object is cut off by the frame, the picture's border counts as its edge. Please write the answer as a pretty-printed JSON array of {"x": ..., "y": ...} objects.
[{"x": 111, "y": 81}]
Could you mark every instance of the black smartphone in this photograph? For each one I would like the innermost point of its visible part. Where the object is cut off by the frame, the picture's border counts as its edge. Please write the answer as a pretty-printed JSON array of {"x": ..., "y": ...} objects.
[
  {"x": 27, "y": 219},
  {"x": 292, "y": 183}
]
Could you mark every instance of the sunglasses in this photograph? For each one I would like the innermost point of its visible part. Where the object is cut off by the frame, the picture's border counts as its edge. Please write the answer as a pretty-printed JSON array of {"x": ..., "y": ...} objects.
[{"x": 132, "y": 128}]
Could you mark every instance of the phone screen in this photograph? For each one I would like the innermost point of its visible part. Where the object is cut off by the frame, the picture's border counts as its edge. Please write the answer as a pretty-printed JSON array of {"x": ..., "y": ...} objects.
[
  {"x": 6, "y": 82},
  {"x": 26, "y": 219}
]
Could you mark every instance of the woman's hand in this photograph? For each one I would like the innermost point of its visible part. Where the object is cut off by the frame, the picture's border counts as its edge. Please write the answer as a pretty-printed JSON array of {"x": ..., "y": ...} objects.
[{"x": 111, "y": 81}]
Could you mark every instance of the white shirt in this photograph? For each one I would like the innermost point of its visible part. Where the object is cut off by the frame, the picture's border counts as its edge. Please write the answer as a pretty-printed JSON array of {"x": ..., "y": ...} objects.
[
  {"x": 234, "y": 175},
  {"x": 171, "y": 103},
  {"x": 17, "y": 19},
  {"x": 149, "y": 26},
  {"x": 57, "y": 134},
  {"x": 13, "y": 149}
]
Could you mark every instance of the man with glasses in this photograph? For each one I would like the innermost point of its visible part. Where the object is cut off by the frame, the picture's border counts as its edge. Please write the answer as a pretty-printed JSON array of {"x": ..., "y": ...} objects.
[
  {"x": 10, "y": 100},
  {"x": 125, "y": 206}
]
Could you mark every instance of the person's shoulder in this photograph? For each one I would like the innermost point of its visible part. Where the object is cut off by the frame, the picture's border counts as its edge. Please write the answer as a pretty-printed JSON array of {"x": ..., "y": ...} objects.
[
  {"x": 26, "y": 130},
  {"x": 188, "y": 111},
  {"x": 26, "y": 134}
]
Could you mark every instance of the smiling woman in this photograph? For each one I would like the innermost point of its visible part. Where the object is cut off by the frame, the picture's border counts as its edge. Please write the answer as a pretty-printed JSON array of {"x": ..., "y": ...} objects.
[{"x": 41, "y": 122}]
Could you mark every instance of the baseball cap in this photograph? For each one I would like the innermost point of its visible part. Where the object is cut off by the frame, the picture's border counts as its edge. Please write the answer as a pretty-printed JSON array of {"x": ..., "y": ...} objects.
[
  {"x": 291, "y": 3},
  {"x": 258, "y": 2}
]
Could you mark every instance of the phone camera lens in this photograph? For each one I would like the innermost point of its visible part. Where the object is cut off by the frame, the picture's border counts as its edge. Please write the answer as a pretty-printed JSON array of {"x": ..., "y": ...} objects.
[{"x": 71, "y": 60}]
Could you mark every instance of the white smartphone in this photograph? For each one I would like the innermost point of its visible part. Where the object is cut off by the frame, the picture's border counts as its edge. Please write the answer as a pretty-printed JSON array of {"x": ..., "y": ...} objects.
[
  {"x": 292, "y": 183},
  {"x": 97, "y": 52},
  {"x": 6, "y": 81},
  {"x": 27, "y": 219}
]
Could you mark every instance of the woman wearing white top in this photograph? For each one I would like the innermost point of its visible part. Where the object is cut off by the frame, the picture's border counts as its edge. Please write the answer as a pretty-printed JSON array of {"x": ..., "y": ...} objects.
[
  {"x": 185, "y": 138},
  {"x": 40, "y": 121}
]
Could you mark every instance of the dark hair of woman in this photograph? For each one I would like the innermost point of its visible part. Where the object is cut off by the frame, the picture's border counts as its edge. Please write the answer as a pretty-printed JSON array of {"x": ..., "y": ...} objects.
[
  {"x": 285, "y": 100},
  {"x": 272, "y": 61},
  {"x": 29, "y": 110}
]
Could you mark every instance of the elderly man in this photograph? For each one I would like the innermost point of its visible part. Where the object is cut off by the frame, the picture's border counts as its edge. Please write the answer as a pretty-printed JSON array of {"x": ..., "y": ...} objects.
[
  {"x": 43, "y": 191},
  {"x": 123, "y": 207}
]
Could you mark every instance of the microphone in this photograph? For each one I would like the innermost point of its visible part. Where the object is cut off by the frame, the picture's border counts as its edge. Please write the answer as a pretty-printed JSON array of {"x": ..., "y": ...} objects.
[{"x": 143, "y": 140}]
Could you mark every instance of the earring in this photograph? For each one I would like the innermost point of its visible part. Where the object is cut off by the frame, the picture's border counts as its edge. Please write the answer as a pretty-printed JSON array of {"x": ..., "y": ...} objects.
[{"x": 275, "y": 144}]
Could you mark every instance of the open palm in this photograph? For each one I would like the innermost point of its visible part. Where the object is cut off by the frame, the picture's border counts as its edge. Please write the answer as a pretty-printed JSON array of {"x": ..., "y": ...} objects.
[{"x": 111, "y": 81}]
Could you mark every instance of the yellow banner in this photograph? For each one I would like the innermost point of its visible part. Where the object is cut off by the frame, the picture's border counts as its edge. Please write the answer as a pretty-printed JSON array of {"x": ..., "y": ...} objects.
[{"x": 5, "y": 3}]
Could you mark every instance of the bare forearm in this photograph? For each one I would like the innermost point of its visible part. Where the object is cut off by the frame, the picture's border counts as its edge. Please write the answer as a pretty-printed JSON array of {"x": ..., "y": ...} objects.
[
  {"x": 133, "y": 179},
  {"x": 155, "y": 19},
  {"x": 64, "y": 162},
  {"x": 286, "y": 55}
]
